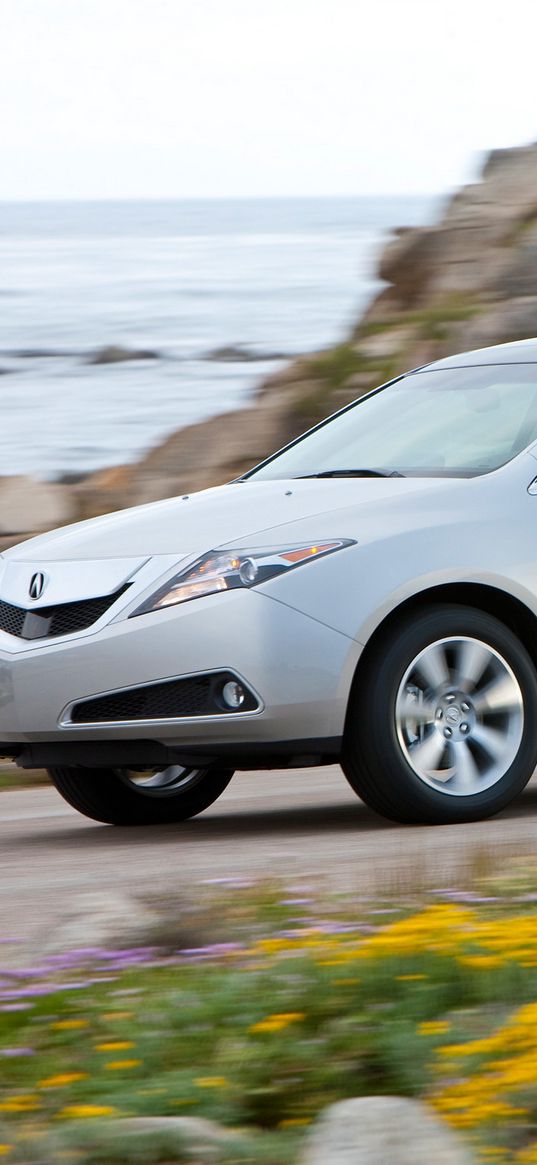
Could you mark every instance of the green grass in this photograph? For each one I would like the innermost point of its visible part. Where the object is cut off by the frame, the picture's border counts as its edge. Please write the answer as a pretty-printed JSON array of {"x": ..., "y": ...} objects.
[
  {"x": 431, "y": 323},
  {"x": 337, "y": 365},
  {"x": 13, "y": 778},
  {"x": 313, "y": 1002},
  {"x": 330, "y": 372}
]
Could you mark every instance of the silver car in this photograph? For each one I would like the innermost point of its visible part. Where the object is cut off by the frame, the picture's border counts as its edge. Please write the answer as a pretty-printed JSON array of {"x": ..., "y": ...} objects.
[{"x": 367, "y": 595}]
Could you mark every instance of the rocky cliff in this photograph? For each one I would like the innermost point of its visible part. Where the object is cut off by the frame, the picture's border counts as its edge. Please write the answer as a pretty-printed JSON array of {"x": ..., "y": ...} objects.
[{"x": 465, "y": 282}]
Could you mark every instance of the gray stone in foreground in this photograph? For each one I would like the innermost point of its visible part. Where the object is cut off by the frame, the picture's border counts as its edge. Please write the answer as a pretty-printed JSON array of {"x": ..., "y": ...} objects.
[
  {"x": 382, "y": 1130},
  {"x": 193, "y": 1129},
  {"x": 151, "y": 1138},
  {"x": 102, "y": 918}
]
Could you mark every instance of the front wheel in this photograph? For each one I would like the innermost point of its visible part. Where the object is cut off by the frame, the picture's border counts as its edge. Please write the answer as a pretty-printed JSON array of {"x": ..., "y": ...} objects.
[
  {"x": 440, "y": 728},
  {"x": 140, "y": 797}
]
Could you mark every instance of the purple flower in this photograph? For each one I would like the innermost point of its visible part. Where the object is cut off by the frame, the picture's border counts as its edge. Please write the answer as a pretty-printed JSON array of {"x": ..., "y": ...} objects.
[
  {"x": 15, "y": 1006},
  {"x": 296, "y": 901},
  {"x": 17, "y": 1052}
]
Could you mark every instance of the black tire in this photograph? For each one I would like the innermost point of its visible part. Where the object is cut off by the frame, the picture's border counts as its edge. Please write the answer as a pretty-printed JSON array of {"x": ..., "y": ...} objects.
[
  {"x": 374, "y": 759},
  {"x": 111, "y": 795}
]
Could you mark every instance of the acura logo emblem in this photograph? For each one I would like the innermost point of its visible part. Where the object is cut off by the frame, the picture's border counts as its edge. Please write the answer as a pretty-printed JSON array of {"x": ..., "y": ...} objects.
[{"x": 37, "y": 585}]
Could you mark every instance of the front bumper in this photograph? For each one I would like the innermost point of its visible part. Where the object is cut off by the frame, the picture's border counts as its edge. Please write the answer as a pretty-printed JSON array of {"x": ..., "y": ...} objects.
[{"x": 300, "y": 669}]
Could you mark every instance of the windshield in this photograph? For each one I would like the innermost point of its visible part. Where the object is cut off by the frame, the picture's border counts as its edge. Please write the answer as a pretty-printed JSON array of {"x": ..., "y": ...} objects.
[{"x": 451, "y": 422}]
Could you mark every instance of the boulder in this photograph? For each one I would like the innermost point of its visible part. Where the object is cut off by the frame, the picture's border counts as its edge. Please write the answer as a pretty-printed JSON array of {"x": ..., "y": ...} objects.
[
  {"x": 150, "y": 1139},
  {"x": 382, "y": 1130},
  {"x": 29, "y": 506},
  {"x": 409, "y": 260},
  {"x": 102, "y": 918}
]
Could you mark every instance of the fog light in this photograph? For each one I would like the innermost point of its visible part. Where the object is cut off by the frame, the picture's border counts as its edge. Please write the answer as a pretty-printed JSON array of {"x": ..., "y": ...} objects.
[{"x": 233, "y": 694}]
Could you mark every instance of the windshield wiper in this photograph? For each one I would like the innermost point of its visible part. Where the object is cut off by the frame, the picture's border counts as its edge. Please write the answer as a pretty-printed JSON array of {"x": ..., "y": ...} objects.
[{"x": 352, "y": 473}]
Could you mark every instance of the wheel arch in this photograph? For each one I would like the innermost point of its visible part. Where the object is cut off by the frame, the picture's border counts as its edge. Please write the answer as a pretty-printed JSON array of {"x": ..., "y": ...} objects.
[{"x": 510, "y": 611}]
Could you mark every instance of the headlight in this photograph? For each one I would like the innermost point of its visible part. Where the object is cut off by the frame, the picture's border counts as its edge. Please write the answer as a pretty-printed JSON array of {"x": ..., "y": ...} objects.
[{"x": 233, "y": 569}]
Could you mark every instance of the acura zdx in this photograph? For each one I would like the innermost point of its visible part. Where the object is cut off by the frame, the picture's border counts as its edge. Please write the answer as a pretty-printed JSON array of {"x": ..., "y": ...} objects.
[{"x": 367, "y": 595}]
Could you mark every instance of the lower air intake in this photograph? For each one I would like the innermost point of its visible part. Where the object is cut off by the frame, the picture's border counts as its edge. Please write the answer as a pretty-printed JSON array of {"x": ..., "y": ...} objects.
[{"x": 167, "y": 700}]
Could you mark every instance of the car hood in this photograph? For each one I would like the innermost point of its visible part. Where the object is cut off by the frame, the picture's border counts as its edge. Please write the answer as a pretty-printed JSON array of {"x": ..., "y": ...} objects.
[{"x": 226, "y": 514}]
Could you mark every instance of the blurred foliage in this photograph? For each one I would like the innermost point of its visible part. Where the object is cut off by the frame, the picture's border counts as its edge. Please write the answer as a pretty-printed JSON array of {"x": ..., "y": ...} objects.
[
  {"x": 13, "y": 778},
  {"x": 310, "y": 1003}
]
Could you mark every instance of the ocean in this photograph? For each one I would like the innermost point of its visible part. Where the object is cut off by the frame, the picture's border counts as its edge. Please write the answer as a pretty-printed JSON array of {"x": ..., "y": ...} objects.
[{"x": 262, "y": 279}]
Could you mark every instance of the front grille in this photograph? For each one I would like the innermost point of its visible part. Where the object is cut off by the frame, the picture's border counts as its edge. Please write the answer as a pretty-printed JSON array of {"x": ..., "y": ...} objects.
[
  {"x": 166, "y": 700},
  {"x": 11, "y": 619},
  {"x": 48, "y": 622}
]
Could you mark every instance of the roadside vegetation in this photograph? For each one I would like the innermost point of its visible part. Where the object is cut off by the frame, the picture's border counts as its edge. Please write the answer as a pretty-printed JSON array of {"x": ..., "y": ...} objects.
[
  {"x": 300, "y": 1003},
  {"x": 13, "y": 778}
]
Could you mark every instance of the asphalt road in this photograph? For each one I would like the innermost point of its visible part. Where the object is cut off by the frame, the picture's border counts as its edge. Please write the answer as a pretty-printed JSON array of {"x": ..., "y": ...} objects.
[{"x": 301, "y": 825}]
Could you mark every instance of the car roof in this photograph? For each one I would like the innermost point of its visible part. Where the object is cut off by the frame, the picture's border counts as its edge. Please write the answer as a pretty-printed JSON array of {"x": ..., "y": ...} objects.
[{"x": 519, "y": 352}]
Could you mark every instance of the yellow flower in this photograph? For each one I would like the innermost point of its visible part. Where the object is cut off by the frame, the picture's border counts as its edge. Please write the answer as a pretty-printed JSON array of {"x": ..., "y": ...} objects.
[
  {"x": 20, "y": 1104},
  {"x": 410, "y": 978},
  {"x": 5, "y": 1149},
  {"x": 122, "y": 1065},
  {"x": 481, "y": 962},
  {"x": 67, "y": 1025},
  {"x": 434, "y": 1028},
  {"x": 80, "y": 1111},
  {"x": 443, "y": 929},
  {"x": 528, "y": 1155},
  {"x": 484, "y": 1094},
  {"x": 211, "y": 1082},
  {"x": 116, "y": 1046},
  {"x": 62, "y": 1080},
  {"x": 277, "y": 1022}
]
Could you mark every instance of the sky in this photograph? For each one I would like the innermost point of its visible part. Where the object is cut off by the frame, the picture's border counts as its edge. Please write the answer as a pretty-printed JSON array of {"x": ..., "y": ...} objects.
[{"x": 225, "y": 98}]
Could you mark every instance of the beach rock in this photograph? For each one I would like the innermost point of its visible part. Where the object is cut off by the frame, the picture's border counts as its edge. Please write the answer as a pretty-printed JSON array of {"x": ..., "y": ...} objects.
[
  {"x": 240, "y": 354},
  {"x": 382, "y": 1130},
  {"x": 27, "y": 505},
  {"x": 116, "y": 354},
  {"x": 44, "y": 353}
]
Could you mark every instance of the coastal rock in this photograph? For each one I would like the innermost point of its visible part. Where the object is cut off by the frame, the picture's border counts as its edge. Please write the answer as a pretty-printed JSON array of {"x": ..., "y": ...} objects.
[
  {"x": 409, "y": 260},
  {"x": 382, "y": 1130},
  {"x": 28, "y": 506},
  {"x": 116, "y": 354},
  {"x": 241, "y": 354}
]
